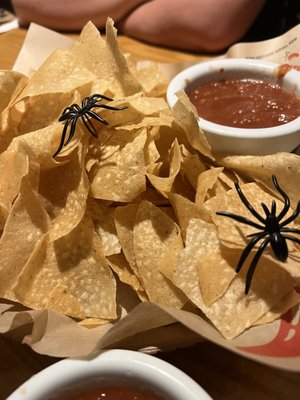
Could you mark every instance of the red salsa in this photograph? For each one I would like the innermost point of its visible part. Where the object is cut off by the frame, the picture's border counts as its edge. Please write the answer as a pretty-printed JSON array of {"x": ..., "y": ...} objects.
[
  {"x": 117, "y": 393},
  {"x": 245, "y": 103}
]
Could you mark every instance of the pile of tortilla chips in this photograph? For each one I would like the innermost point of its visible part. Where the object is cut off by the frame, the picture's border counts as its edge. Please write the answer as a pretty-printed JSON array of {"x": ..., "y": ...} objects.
[{"x": 135, "y": 206}]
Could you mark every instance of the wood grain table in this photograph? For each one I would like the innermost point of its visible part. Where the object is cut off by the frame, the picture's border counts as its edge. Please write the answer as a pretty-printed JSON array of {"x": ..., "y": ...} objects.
[{"x": 224, "y": 375}]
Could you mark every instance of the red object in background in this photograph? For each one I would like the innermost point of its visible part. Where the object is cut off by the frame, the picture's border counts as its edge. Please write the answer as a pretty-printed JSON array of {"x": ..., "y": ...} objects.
[
  {"x": 293, "y": 55},
  {"x": 287, "y": 340}
]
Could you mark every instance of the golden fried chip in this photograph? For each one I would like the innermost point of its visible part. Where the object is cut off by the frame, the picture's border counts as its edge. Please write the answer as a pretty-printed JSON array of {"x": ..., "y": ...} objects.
[
  {"x": 157, "y": 244},
  {"x": 121, "y": 173},
  {"x": 206, "y": 181},
  {"x": 13, "y": 166},
  {"x": 164, "y": 184},
  {"x": 162, "y": 120},
  {"x": 60, "y": 73},
  {"x": 290, "y": 300},
  {"x": 214, "y": 272},
  {"x": 10, "y": 84},
  {"x": 141, "y": 112},
  {"x": 62, "y": 301},
  {"x": 49, "y": 91},
  {"x": 152, "y": 78},
  {"x": 74, "y": 261},
  {"x": 104, "y": 222},
  {"x": 64, "y": 191},
  {"x": 121, "y": 267},
  {"x": 25, "y": 225},
  {"x": 164, "y": 137},
  {"x": 233, "y": 233},
  {"x": 192, "y": 167},
  {"x": 40, "y": 145},
  {"x": 105, "y": 60},
  {"x": 91, "y": 323},
  {"x": 285, "y": 166},
  {"x": 186, "y": 116},
  {"x": 151, "y": 153},
  {"x": 234, "y": 311},
  {"x": 124, "y": 221},
  {"x": 185, "y": 210}
]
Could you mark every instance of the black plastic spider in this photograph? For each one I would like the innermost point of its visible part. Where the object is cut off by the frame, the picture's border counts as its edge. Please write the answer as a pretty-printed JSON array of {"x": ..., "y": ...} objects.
[
  {"x": 271, "y": 227},
  {"x": 71, "y": 114}
]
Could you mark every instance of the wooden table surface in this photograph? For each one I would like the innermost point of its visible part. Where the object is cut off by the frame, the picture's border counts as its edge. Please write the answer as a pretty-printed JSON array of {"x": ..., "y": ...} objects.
[{"x": 224, "y": 375}]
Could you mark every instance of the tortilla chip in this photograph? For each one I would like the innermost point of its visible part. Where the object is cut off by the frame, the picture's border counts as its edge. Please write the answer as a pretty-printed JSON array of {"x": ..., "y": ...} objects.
[
  {"x": 120, "y": 266},
  {"x": 185, "y": 210},
  {"x": 215, "y": 273},
  {"x": 152, "y": 78},
  {"x": 104, "y": 222},
  {"x": 124, "y": 221},
  {"x": 206, "y": 181},
  {"x": 192, "y": 167},
  {"x": 234, "y": 311},
  {"x": 120, "y": 174},
  {"x": 64, "y": 191},
  {"x": 164, "y": 184},
  {"x": 186, "y": 116},
  {"x": 13, "y": 166},
  {"x": 74, "y": 261},
  {"x": 157, "y": 244},
  {"x": 25, "y": 225},
  {"x": 91, "y": 323},
  {"x": 62, "y": 301},
  {"x": 287, "y": 302},
  {"x": 10, "y": 83},
  {"x": 285, "y": 166},
  {"x": 105, "y": 60},
  {"x": 231, "y": 232}
]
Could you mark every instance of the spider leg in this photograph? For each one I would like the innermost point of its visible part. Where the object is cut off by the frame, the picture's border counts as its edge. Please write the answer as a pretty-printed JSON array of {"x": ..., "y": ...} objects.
[
  {"x": 254, "y": 263},
  {"x": 265, "y": 233},
  {"x": 67, "y": 115},
  {"x": 291, "y": 230},
  {"x": 85, "y": 102},
  {"x": 292, "y": 238},
  {"x": 291, "y": 217},
  {"x": 240, "y": 218},
  {"x": 247, "y": 250},
  {"x": 90, "y": 127},
  {"x": 62, "y": 140},
  {"x": 247, "y": 204},
  {"x": 266, "y": 210},
  {"x": 97, "y": 117},
  {"x": 99, "y": 96},
  {"x": 273, "y": 208},
  {"x": 107, "y": 107},
  {"x": 285, "y": 198},
  {"x": 72, "y": 131},
  {"x": 69, "y": 112}
]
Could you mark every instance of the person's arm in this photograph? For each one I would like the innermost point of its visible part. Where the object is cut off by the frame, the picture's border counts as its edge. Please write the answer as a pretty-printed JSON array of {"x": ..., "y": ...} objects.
[
  {"x": 72, "y": 15},
  {"x": 194, "y": 25}
]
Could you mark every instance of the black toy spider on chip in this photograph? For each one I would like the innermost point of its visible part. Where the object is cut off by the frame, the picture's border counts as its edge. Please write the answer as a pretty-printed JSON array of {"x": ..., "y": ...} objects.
[
  {"x": 271, "y": 229},
  {"x": 71, "y": 114}
]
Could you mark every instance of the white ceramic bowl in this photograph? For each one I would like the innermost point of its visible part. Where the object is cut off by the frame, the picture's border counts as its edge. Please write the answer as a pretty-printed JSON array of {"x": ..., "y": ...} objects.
[
  {"x": 241, "y": 140},
  {"x": 112, "y": 367}
]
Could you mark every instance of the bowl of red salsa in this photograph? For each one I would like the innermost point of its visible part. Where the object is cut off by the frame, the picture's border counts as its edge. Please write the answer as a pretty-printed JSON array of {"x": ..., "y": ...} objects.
[
  {"x": 111, "y": 375},
  {"x": 244, "y": 106}
]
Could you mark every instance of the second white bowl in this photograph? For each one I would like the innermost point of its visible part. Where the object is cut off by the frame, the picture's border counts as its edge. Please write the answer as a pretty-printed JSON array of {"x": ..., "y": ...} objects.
[{"x": 110, "y": 368}]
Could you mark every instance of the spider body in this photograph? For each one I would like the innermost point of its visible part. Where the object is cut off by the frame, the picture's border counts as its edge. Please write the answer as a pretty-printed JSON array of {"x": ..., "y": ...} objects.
[
  {"x": 71, "y": 114},
  {"x": 272, "y": 229}
]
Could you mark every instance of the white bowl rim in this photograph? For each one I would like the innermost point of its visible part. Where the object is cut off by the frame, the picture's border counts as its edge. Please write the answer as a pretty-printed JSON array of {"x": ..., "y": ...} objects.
[
  {"x": 111, "y": 361},
  {"x": 178, "y": 83}
]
